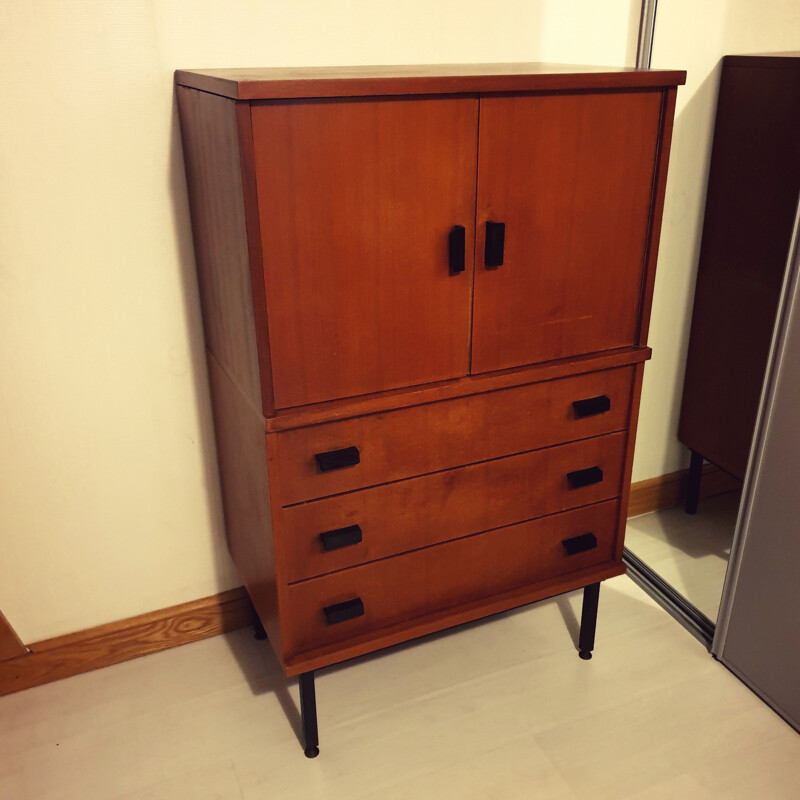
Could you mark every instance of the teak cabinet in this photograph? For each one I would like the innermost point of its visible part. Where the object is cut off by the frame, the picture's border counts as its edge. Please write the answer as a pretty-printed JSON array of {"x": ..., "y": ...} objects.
[{"x": 426, "y": 294}]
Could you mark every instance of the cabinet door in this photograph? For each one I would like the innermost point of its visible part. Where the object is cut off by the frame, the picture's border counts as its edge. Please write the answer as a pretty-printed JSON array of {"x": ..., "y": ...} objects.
[
  {"x": 357, "y": 200},
  {"x": 571, "y": 177}
]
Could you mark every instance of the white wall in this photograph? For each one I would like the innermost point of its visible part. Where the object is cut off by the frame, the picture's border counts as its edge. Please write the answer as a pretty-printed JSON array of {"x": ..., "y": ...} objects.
[
  {"x": 109, "y": 504},
  {"x": 692, "y": 35}
]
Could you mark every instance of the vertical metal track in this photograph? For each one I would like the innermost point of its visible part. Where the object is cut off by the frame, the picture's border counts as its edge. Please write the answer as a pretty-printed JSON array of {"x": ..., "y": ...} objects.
[{"x": 647, "y": 24}]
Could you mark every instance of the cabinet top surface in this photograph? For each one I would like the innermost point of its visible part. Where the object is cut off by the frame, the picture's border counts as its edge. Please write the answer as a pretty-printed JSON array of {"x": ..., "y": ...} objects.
[
  {"x": 789, "y": 60},
  {"x": 294, "y": 82}
]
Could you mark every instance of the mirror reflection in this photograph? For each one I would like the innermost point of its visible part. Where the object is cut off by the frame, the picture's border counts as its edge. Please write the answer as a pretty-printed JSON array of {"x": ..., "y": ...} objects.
[{"x": 728, "y": 220}]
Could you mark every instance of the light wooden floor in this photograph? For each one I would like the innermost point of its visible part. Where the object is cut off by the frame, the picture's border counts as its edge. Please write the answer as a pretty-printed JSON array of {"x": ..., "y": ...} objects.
[
  {"x": 500, "y": 709},
  {"x": 689, "y": 551}
]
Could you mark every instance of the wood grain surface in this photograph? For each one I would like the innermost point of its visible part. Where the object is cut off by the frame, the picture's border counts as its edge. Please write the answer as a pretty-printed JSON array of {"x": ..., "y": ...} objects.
[
  {"x": 130, "y": 638},
  {"x": 430, "y": 580},
  {"x": 211, "y": 153},
  {"x": 356, "y": 201},
  {"x": 239, "y": 430},
  {"x": 571, "y": 176},
  {"x": 404, "y": 631},
  {"x": 421, "y": 511},
  {"x": 455, "y": 386},
  {"x": 258, "y": 290},
  {"x": 436, "y": 436},
  {"x": 64, "y": 656},
  {"x": 630, "y": 446},
  {"x": 268, "y": 83},
  {"x": 291, "y": 419}
]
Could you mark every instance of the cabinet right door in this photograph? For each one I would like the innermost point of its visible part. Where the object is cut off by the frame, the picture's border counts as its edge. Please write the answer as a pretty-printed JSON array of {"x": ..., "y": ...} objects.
[{"x": 571, "y": 178}]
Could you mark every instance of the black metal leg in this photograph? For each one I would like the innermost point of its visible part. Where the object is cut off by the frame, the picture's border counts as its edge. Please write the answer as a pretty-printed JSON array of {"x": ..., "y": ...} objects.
[
  {"x": 693, "y": 486},
  {"x": 258, "y": 627},
  {"x": 308, "y": 711},
  {"x": 591, "y": 596}
]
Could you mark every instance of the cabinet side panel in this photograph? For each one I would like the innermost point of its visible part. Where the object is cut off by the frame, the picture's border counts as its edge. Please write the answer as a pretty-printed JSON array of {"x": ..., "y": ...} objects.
[
  {"x": 211, "y": 152},
  {"x": 250, "y": 193},
  {"x": 245, "y": 493},
  {"x": 627, "y": 466}
]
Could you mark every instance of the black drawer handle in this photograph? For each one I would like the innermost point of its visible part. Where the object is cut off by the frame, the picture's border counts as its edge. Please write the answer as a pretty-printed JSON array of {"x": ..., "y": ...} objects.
[
  {"x": 591, "y": 406},
  {"x": 458, "y": 249},
  {"x": 338, "y": 459},
  {"x": 584, "y": 477},
  {"x": 579, "y": 544},
  {"x": 494, "y": 245},
  {"x": 341, "y": 537},
  {"x": 341, "y": 612}
]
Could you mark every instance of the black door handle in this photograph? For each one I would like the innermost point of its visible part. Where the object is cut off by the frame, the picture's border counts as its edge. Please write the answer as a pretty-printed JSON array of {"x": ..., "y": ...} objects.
[
  {"x": 591, "y": 406},
  {"x": 458, "y": 249},
  {"x": 584, "y": 477},
  {"x": 340, "y": 537},
  {"x": 494, "y": 245},
  {"x": 340, "y": 612},
  {"x": 338, "y": 459},
  {"x": 579, "y": 544}
]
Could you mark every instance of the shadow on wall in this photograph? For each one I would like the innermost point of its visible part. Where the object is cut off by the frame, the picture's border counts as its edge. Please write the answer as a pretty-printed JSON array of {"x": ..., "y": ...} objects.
[{"x": 681, "y": 237}]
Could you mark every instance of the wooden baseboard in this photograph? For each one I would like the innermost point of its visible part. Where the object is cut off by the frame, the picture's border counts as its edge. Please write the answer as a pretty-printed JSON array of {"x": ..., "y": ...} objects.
[
  {"x": 64, "y": 656},
  {"x": 53, "y": 659},
  {"x": 667, "y": 491}
]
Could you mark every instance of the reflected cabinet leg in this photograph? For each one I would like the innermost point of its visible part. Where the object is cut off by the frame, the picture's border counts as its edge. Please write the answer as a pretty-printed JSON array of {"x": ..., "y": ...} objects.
[
  {"x": 258, "y": 628},
  {"x": 308, "y": 711},
  {"x": 591, "y": 596},
  {"x": 693, "y": 484}
]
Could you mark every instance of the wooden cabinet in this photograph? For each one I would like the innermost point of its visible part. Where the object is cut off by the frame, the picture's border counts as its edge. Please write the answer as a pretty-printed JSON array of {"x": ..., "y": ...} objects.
[
  {"x": 426, "y": 293},
  {"x": 753, "y": 188}
]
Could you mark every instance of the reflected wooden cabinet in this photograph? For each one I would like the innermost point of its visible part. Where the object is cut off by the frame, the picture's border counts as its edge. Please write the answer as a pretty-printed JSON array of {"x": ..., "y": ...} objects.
[
  {"x": 753, "y": 189},
  {"x": 426, "y": 295}
]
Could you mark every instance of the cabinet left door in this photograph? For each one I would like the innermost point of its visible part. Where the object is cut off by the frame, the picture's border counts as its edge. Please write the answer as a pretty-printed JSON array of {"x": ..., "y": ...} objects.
[{"x": 357, "y": 200}]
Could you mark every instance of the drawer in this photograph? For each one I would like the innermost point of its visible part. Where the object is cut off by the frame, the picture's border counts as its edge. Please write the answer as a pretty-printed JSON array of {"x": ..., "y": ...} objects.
[
  {"x": 413, "y": 441},
  {"x": 427, "y": 581},
  {"x": 418, "y": 512}
]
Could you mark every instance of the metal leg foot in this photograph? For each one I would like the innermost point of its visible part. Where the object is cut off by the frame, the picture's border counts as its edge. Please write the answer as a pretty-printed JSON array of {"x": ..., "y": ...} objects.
[
  {"x": 693, "y": 484},
  {"x": 591, "y": 596},
  {"x": 308, "y": 711}
]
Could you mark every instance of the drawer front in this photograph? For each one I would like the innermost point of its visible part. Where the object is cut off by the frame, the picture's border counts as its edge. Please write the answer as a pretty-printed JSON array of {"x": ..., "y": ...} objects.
[
  {"x": 356, "y": 601},
  {"x": 436, "y": 436},
  {"x": 320, "y": 536}
]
